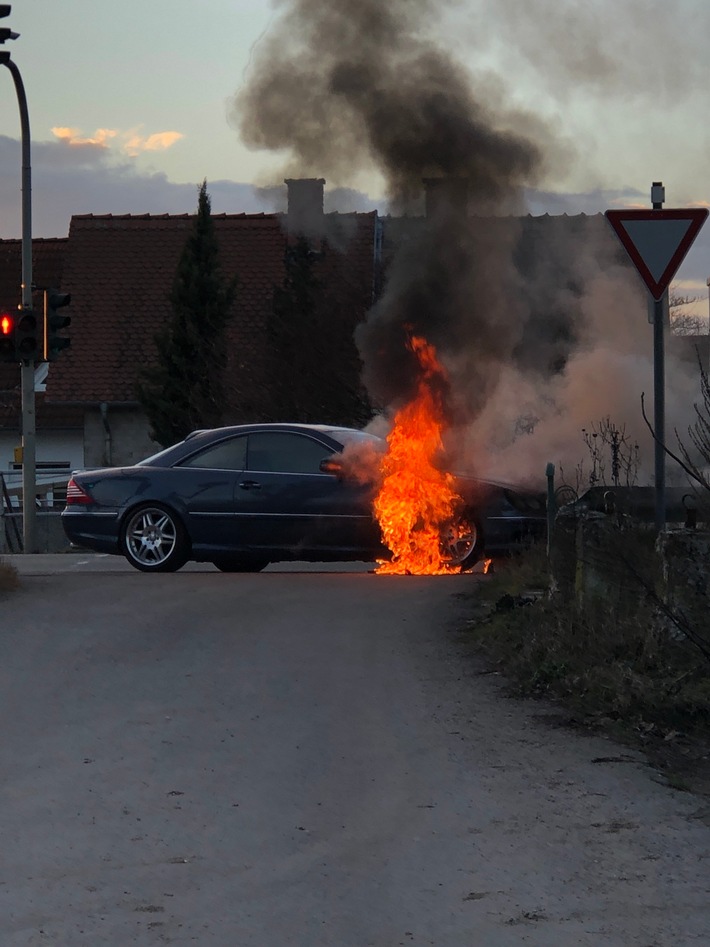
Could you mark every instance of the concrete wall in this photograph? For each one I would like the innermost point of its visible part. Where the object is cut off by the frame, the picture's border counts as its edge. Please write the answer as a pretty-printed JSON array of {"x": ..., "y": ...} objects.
[
  {"x": 50, "y": 533},
  {"x": 119, "y": 438}
]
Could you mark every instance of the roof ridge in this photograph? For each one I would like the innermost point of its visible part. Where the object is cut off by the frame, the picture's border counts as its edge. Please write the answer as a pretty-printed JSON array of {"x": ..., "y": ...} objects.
[
  {"x": 89, "y": 220},
  {"x": 43, "y": 240}
]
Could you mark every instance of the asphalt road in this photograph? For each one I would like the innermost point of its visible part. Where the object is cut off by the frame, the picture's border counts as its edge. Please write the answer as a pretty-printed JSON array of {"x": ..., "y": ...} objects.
[{"x": 306, "y": 757}]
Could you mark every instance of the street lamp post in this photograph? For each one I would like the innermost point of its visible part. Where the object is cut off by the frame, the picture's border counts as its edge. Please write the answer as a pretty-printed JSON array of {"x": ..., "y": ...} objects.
[{"x": 27, "y": 367}]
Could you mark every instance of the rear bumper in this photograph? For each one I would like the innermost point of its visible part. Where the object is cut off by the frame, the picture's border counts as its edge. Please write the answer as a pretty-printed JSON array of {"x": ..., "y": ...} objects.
[{"x": 97, "y": 531}]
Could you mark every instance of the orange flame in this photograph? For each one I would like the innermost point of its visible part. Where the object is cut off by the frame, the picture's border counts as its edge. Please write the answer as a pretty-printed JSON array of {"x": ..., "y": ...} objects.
[{"x": 417, "y": 502}]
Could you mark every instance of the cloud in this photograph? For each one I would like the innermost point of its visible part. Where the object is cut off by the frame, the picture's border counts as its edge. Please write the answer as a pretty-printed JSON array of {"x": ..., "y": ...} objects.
[
  {"x": 129, "y": 142},
  {"x": 157, "y": 142},
  {"x": 87, "y": 178},
  {"x": 71, "y": 136}
]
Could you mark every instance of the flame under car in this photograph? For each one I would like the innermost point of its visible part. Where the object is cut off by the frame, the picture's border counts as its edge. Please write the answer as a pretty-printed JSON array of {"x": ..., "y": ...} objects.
[{"x": 242, "y": 497}]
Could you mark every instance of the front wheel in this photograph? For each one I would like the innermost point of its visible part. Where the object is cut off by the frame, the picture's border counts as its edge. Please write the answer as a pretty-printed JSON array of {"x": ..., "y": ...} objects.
[
  {"x": 462, "y": 543},
  {"x": 153, "y": 539}
]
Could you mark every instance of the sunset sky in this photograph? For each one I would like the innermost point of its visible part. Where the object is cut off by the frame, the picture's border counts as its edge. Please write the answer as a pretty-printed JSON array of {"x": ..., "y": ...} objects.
[{"x": 129, "y": 104}]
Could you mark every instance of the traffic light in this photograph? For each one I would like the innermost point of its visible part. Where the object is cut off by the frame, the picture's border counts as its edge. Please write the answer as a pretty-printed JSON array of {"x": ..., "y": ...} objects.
[
  {"x": 27, "y": 338},
  {"x": 5, "y": 33},
  {"x": 7, "y": 337},
  {"x": 54, "y": 322}
]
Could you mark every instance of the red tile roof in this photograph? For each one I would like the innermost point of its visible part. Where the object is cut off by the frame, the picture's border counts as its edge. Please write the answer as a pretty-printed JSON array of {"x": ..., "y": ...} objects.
[{"x": 119, "y": 271}]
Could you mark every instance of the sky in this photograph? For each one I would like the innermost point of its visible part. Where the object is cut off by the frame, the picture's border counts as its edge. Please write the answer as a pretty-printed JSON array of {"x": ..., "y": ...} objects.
[{"x": 132, "y": 105}]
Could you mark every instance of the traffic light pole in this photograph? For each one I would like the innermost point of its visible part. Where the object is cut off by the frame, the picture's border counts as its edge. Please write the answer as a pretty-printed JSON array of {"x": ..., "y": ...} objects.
[{"x": 29, "y": 471}]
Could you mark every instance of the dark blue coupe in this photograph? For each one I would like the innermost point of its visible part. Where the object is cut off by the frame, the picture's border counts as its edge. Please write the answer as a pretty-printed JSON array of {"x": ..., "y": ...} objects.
[{"x": 242, "y": 497}]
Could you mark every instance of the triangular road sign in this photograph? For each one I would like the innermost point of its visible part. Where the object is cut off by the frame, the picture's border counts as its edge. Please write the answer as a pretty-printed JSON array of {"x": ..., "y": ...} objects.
[{"x": 657, "y": 241}]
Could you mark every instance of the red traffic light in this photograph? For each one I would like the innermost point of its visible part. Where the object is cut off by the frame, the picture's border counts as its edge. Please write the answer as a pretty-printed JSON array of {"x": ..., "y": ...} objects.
[{"x": 8, "y": 333}]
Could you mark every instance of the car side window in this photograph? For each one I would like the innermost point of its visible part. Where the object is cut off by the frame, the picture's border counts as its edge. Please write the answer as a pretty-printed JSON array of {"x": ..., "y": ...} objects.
[
  {"x": 227, "y": 455},
  {"x": 284, "y": 452}
]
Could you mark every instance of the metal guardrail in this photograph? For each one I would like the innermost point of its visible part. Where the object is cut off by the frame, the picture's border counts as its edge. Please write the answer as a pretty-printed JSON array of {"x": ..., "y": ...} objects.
[
  {"x": 13, "y": 540},
  {"x": 50, "y": 497},
  {"x": 51, "y": 492}
]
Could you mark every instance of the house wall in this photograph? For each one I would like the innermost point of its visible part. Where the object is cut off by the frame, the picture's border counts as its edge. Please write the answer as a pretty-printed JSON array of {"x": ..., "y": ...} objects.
[
  {"x": 52, "y": 447},
  {"x": 122, "y": 440}
]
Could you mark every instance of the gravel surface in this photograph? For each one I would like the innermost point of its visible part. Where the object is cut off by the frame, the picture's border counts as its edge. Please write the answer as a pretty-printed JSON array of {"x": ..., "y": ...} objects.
[{"x": 304, "y": 757}]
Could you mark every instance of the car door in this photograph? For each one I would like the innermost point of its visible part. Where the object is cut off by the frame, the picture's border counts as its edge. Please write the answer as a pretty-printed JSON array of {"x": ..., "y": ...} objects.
[
  {"x": 284, "y": 500},
  {"x": 206, "y": 483}
]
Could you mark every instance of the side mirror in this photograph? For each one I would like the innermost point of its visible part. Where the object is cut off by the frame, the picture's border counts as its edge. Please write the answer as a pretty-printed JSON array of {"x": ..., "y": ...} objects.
[{"x": 331, "y": 466}]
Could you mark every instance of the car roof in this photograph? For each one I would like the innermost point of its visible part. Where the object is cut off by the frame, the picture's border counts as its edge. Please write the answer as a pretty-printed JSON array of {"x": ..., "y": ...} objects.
[
  {"x": 331, "y": 433},
  {"x": 274, "y": 426}
]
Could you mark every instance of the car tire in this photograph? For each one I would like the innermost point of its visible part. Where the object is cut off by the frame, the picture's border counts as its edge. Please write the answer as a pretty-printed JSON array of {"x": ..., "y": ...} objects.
[
  {"x": 239, "y": 564},
  {"x": 462, "y": 547},
  {"x": 153, "y": 539}
]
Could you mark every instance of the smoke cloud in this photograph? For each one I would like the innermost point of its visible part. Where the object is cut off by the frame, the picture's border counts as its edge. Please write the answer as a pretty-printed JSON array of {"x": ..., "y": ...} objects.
[
  {"x": 534, "y": 318},
  {"x": 639, "y": 49},
  {"x": 343, "y": 87}
]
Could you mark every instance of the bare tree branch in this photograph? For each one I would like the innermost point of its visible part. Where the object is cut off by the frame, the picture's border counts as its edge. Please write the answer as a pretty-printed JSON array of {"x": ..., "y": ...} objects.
[{"x": 697, "y": 477}]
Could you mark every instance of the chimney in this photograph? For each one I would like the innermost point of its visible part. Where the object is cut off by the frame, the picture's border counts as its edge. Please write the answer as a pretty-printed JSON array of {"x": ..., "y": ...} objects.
[
  {"x": 305, "y": 206},
  {"x": 446, "y": 197}
]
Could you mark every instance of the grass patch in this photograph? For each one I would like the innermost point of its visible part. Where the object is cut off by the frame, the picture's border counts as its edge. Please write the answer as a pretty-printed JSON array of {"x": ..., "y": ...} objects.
[
  {"x": 615, "y": 668},
  {"x": 9, "y": 579}
]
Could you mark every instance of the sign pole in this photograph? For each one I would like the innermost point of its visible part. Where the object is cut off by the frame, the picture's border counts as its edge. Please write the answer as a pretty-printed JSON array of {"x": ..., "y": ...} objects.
[
  {"x": 657, "y": 241},
  {"x": 658, "y": 195},
  {"x": 659, "y": 411}
]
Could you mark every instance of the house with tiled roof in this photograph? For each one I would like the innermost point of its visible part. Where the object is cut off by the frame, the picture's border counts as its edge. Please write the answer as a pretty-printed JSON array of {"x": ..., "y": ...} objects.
[{"x": 119, "y": 271}]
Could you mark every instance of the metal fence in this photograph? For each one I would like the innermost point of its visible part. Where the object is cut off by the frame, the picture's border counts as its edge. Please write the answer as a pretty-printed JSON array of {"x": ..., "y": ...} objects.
[{"x": 50, "y": 499}]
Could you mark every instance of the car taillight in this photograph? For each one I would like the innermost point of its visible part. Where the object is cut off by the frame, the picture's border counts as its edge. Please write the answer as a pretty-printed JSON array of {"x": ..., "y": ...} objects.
[{"x": 77, "y": 494}]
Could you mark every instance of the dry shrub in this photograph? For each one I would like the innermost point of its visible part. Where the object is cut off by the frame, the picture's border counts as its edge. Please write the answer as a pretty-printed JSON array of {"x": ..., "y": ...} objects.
[{"x": 615, "y": 663}]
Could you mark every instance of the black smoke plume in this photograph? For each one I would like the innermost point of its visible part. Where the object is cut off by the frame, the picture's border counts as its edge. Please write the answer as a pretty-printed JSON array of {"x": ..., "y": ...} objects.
[
  {"x": 344, "y": 86},
  {"x": 529, "y": 315}
]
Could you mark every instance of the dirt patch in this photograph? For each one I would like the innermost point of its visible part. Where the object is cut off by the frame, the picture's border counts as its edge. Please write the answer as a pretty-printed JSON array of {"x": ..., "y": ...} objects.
[
  {"x": 617, "y": 675},
  {"x": 9, "y": 580}
]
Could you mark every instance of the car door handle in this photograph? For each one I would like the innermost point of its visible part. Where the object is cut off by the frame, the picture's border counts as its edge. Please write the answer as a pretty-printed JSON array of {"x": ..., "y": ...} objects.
[{"x": 250, "y": 485}]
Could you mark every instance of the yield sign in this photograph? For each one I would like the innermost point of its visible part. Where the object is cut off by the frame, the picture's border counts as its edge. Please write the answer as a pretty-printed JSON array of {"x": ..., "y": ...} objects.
[{"x": 657, "y": 241}]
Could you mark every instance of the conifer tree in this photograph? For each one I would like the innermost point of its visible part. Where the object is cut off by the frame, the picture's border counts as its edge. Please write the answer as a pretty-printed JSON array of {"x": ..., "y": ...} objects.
[
  {"x": 314, "y": 370},
  {"x": 184, "y": 390}
]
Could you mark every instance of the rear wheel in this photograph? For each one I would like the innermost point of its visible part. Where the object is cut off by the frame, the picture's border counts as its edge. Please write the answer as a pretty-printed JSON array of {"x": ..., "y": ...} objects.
[
  {"x": 240, "y": 564},
  {"x": 153, "y": 539},
  {"x": 462, "y": 543}
]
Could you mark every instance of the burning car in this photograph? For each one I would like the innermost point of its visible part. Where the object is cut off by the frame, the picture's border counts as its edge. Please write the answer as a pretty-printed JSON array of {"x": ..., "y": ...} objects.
[{"x": 247, "y": 495}]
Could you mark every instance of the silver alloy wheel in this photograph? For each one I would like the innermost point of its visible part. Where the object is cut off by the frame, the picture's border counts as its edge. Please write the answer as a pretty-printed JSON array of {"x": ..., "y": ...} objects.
[
  {"x": 151, "y": 536},
  {"x": 459, "y": 542}
]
